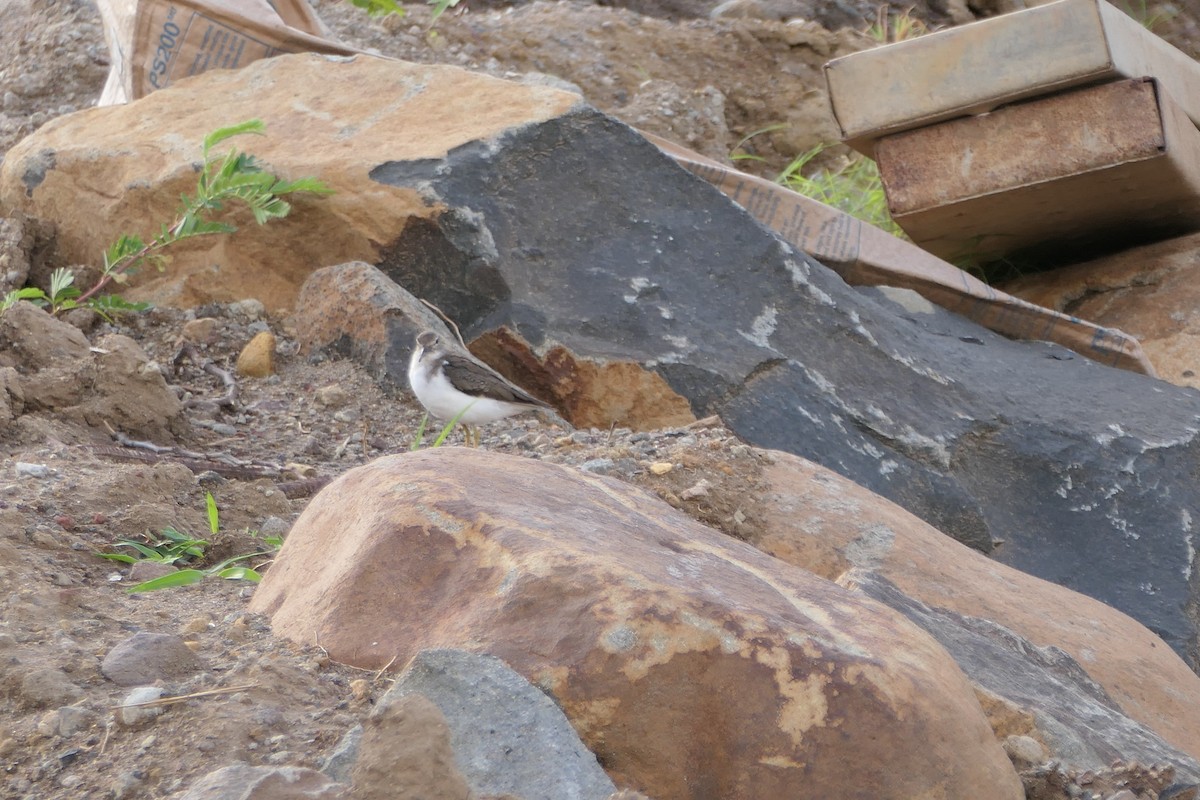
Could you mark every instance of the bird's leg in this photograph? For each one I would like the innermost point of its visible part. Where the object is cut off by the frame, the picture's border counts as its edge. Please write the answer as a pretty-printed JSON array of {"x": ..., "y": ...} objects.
[{"x": 470, "y": 435}]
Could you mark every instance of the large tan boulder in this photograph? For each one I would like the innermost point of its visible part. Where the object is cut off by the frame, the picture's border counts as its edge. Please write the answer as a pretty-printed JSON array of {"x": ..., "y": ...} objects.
[
  {"x": 693, "y": 665},
  {"x": 825, "y": 523},
  {"x": 103, "y": 172}
]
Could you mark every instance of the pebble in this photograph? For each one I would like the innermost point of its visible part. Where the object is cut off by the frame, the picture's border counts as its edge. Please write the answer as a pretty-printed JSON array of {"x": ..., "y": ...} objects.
[
  {"x": 699, "y": 489},
  {"x": 247, "y": 310},
  {"x": 220, "y": 428},
  {"x": 332, "y": 396},
  {"x": 131, "y": 715},
  {"x": 661, "y": 467},
  {"x": 599, "y": 466},
  {"x": 1024, "y": 751},
  {"x": 126, "y": 785},
  {"x": 347, "y": 415},
  {"x": 48, "y": 687},
  {"x": 274, "y": 526},
  {"x": 200, "y": 331},
  {"x": 146, "y": 657},
  {"x": 257, "y": 359},
  {"x": 300, "y": 470},
  {"x": 25, "y": 469},
  {"x": 196, "y": 625},
  {"x": 73, "y": 719},
  {"x": 65, "y": 721}
]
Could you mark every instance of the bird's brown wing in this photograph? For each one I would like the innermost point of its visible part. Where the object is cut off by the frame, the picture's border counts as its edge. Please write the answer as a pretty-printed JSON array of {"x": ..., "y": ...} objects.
[{"x": 479, "y": 381}]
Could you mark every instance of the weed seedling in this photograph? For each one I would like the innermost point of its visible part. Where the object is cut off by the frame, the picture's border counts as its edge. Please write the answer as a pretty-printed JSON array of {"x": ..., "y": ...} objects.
[
  {"x": 890, "y": 27},
  {"x": 223, "y": 179},
  {"x": 378, "y": 8},
  {"x": 854, "y": 188},
  {"x": 174, "y": 547}
]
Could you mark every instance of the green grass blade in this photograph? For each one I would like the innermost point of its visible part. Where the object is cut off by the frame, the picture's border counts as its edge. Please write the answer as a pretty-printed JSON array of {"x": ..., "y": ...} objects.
[
  {"x": 240, "y": 573},
  {"x": 450, "y": 425},
  {"x": 420, "y": 437},
  {"x": 147, "y": 552},
  {"x": 214, "y": 516},
  {"x": 183, "y": 577},
  {"x": 124, "y": 559}
]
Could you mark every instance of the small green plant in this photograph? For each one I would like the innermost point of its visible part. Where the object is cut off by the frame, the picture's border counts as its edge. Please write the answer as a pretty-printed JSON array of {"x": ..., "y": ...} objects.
[
  {"x": 234, "y": 176},
  {"x": 64, "y": 295},
  {"x": 854, "y": 188},
  {"x": 378, "y": 8},
  {"x": 734, "y": 155},
  {"x": 890, "y": 27},
  {"x": 381, "y": 8},
  {"x": 173, "y": 547}
]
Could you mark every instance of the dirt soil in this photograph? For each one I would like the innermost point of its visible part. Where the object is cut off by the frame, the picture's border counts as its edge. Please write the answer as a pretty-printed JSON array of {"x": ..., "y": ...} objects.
[{"x": 68, "y": 489}]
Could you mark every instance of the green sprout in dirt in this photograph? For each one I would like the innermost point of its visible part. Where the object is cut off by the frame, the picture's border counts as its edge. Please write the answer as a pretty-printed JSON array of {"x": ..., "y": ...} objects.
[
  {"x": 890, "y": 27},
  {"x": 223, "y": 179},
  {"x": 382, "y": 8},
  {"x": 379, "y": 8},
  {"x": 741, "y": 153},
  {"x": 173, "y": 547},
  {"x": 854, "y": 188},
  {"x": 441, "y": 437}
]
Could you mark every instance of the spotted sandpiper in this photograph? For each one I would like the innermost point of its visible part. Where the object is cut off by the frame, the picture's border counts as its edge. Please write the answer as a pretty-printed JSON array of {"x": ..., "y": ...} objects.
[{"x": 454, "y": 384}]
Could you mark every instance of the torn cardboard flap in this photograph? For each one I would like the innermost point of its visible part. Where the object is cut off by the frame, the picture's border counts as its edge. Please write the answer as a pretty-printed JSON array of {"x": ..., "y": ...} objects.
[
  {"x": 864, "y": 255},
  {"x": 156, "y": 42},
  {"x": 981, "y": 66},
  {"x": 153, "y": 44}
]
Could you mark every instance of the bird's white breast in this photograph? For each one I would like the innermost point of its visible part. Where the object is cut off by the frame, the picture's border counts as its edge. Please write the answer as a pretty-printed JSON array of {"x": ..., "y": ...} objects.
[{"x": 443, "y": 401}]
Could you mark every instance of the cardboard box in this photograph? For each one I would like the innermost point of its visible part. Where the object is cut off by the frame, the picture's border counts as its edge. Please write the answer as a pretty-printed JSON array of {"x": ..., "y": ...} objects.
[
  {"x": 1055, "y": 179},
  {"x": 981, "y": 66}
]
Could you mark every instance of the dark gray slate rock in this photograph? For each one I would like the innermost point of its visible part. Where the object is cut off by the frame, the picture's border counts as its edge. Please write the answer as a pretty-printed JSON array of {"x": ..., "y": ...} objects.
[
  {"x": 1075, "y": 717},
  {"x": 508, "y": 737},
  {"x": 577, "y": 232},
  {"x": 147, "y": 657},
  {"x": 339, "y": 763}
]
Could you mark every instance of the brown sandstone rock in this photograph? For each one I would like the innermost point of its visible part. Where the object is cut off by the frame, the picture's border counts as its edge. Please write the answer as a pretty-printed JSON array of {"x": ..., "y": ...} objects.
[
  {"x": 354, "y": 310},
  {"x": 323, "y": 116},
  {"x": 825, "y": 523},
  {"x": 1151, "y": 292},
  {"x": 693, "y": 665}
]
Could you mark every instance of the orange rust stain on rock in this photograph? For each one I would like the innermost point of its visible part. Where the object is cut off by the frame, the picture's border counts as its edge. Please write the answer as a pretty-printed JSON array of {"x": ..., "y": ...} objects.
[
  {"x": 590, "y": 394},
  {"x": 600, "y": 394}
]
